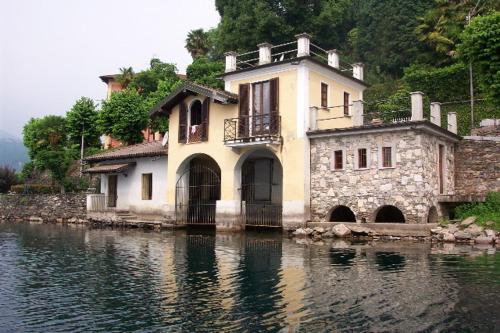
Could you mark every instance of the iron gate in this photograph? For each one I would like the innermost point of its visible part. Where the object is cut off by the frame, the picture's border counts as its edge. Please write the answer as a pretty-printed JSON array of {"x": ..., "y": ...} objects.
[{"x": 196, "y": 195}]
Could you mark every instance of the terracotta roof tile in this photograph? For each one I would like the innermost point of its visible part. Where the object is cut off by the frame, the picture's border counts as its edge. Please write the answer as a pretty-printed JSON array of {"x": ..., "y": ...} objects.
[
  {"x": 109, "y": 168},
  {"x": 145, "y": 149}
]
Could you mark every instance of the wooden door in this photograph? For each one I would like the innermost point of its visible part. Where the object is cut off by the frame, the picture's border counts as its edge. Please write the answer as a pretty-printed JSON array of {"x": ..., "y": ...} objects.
[{"x": 112, "y": 190}]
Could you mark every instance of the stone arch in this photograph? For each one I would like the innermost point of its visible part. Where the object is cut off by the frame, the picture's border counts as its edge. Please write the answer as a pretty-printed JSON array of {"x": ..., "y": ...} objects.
[
  {"x": 389, "y": 214},
  {"x": 432, "y": 216},
  {"x": 341, "y": 213}
]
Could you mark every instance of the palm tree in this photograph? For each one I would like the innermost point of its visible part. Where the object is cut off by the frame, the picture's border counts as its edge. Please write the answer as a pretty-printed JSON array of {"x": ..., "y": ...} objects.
[
  {"x": 126, "y": 76},
  {"x": 197, "y": 43}
]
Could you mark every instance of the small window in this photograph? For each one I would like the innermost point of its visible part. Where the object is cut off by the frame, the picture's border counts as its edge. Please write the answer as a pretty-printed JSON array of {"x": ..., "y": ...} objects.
[
  {"x": 362, "y": 158},
  {"x": 338, "y": 163},
  {"x": 387, "y": 157},
  {"x": 346, "y": 103},
  {"x": 195, "y": 109},
  {"x": 147, "y": 186},
  {"x": 324, "y": 95}
]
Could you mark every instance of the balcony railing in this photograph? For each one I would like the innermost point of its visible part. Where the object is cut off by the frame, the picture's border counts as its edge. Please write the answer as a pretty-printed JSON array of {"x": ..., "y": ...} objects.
[
  {"x": 249, "y": 129},
  {"x": 397, "y": 116}
]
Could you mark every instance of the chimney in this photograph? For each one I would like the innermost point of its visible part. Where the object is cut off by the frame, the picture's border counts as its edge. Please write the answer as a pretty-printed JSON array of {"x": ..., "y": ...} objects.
[
  {"x": 436, "y": 113},
  {"x": 357, "y": 113},
  {"x": 264, "y": 53},
  {"x": 417, "y": 106},
  {"x": 452, "y": 122},
  {"x": 230, "y": 61},
  {"x": 303, "y": 42},
  {"x": 357, "y": 71},
  {"x": 333, "y": 59}
]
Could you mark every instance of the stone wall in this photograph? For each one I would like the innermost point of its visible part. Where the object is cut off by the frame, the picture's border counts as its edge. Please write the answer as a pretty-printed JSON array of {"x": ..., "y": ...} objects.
[
  {"x": 411, "y": 186},
  {"x": 477, "y": 167},
  {"x": 43, "y": 207}
]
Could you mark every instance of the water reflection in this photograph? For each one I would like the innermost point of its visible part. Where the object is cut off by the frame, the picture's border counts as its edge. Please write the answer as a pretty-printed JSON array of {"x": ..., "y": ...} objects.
[{"x": 60, "y": 279}]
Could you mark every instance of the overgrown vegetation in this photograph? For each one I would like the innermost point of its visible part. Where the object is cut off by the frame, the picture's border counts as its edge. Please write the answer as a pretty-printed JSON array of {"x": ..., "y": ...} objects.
[
  {"x": 484, "y": 211},
  {"x": 8, "y": 178}
]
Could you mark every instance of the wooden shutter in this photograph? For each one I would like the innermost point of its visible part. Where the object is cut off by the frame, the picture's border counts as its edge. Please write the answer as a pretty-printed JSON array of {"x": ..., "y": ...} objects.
[
  {"x": 182, "y": 122},
  {"x": 204, "y": 119},
  {"x": 244, "y": 106},
  {"x": 346, "y": 103},
  {"x": 274, "y": 123}
]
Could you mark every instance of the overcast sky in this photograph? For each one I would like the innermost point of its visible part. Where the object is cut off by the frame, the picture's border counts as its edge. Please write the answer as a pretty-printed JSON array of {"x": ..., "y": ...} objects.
[{"x": 53, "y": 51}]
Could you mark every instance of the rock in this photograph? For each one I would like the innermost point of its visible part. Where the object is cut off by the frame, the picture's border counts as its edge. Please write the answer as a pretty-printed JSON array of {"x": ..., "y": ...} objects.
[
  {"x": 72, "y": 220},
  {"x": 340, "y": 230},
  {"x": 308, "y": 231},
  {"x": 316, "y": 237},
  {"x": 484, "y": 240},
  {"x": 468, "y": 221},
  {"x": 319, "y": 230},
  {"x": 474, "y": 230},
  {"x": 462, "y": 236},
  {"x": 448, "y": 237},
  {"x": 328, "y": 234},
  {"x": 361, "y": 231},
  {"x": 299, "y": 232},
  {"x": 489, "y": 233},
  {"x": 436, "y": 231},
  {"x": 489, "y": 223},
  {"x": 452, "y": 228}
]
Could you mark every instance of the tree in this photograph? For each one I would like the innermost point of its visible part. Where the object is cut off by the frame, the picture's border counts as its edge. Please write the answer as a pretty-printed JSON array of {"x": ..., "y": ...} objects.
[
  {"x": 47, "y": 144},
  {"x": 8, "y": 178},
  {"x": 481, "y": 46},
  {"x": 124, "y": 116},
  {"x": 82, "y": 120},
  {"x": 146, "y": 82},
  {"x": 197, "y": 43},
  {"x": 126, "y": 76},
  {"x": 205, "y": 71}
]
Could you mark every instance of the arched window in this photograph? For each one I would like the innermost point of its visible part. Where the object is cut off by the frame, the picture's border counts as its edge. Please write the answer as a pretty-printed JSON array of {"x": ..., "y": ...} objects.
[
  {"x": 389, "y": 214},
  {"x": 433, "y": 215},
  {"x": 342, "y": 214},
  {"x": 195, "y": 113}
]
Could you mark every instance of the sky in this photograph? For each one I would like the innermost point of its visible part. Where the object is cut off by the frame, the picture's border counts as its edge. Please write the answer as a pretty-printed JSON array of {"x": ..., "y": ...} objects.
[{"x": 52, "y": 52}]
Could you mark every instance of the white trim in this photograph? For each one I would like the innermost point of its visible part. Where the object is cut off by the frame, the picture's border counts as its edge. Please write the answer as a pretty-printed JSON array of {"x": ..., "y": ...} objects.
[
  {"x": 303, "y": 117},
  {"x": 393, "y": 155},
  {"x": 356, "y": 155},
  {"x": 334, "y": 76},
  {"x": 268, "y": 70}
]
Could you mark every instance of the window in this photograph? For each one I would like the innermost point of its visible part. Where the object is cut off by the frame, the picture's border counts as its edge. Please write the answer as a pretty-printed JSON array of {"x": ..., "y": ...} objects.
[
  {"x": 147, "y": 186},
  {"x": 346, "y": 103},
  {"x": 324, "y": 95},
  {"x": 195, "y": 110},
  {"x": 362, "y": 158},
  {"x": 387, "y": 157},
  {"x": 338, "y": 160},
  {"x": 441, "y": 169},
  {"x": 264, "y": 107}
]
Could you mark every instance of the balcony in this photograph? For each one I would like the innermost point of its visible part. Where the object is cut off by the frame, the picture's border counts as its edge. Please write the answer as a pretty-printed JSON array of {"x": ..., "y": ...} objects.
[{"x": 247, "y": 131}]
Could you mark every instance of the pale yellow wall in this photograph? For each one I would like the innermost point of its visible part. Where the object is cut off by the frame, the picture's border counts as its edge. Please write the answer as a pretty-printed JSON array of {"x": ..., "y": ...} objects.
[{"x": 335, "y": 98}]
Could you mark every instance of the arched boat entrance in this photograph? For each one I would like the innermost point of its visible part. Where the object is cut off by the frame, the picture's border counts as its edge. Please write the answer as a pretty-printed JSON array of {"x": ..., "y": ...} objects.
[
  {"x": 197, "y": 190},
  {"x": 261, "y": 190}
]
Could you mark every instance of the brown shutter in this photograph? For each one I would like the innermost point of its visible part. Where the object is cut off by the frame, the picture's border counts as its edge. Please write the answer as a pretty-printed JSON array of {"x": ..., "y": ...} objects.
[
  {"x": 275, "y": 118},
  {"x": 204, "y": 119},
  {"x": 244, "y": 104},
  {"x": 182, "y": 122}
]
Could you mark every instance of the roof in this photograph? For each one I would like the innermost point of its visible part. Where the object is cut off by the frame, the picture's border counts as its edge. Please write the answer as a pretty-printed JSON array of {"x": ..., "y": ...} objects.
[
  {"x": 188, "y": 88},
  {"x": 109, "y": 168},
  {"x": 370, "y": 128},
  {"x": 145, "y": 149},
  {"x": 297, "y": 60}
]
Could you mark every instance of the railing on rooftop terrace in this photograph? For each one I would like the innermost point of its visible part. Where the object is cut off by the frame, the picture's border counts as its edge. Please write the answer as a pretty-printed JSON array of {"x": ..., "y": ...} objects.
[{"x": 387, "y": 117}]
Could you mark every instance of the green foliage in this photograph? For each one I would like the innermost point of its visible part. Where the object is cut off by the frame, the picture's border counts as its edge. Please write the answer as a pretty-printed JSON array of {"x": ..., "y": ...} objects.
[
  {"x": 205, "y": 71},
  {"x": 35, "y": 189},
  {"x": 124, "y": 116},
  {"x": 485, "y": 211},
  {"x": 8, "y": 178},
  {"x": 198, "y": 43},
  {"x": 126, "y": 76},
  {"x": 481, "y": 45},
  {"x": 147, "y": 81},
  {"x": 82, "y": 120}
]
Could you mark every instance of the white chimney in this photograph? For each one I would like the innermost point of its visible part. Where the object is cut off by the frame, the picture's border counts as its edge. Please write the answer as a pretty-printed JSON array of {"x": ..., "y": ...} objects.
[
  {"x": 230, "y": 61},
  {"x": 303, "y": 43},
  {"x": 452, "y": 122},
  {"x": 357, "y": 113},
  {"x": 264, "y": 53},
  {"x": 333, "y": 59},
  {"x": 357, "y": 71},
  {"x": 436, "y": 113},
  {"x": 417, "y": 106}
]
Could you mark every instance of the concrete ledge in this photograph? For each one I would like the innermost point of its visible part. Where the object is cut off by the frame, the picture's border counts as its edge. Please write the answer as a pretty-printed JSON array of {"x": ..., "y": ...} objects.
[{"x": 385, "y": 229}]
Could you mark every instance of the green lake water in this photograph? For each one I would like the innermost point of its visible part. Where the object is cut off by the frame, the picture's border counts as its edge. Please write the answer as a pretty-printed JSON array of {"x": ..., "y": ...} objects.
[{"x": 57, "y": 278}]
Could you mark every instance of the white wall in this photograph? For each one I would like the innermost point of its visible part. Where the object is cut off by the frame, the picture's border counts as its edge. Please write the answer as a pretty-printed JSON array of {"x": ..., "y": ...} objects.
[{"x": 129, "y": 185}]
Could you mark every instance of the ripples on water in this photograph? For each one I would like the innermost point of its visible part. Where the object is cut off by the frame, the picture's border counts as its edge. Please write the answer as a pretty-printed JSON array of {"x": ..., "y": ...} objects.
[{"x": 60, "y": 279}]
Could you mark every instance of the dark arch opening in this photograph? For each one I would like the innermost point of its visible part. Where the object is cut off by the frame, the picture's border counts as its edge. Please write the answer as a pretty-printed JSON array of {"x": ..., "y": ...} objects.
[
  {"x": 342, "y": 214},
  {"x": 195, "y": 113},
  {"x": 389, "y": 214},
  {"x": 433, "y": 215}
]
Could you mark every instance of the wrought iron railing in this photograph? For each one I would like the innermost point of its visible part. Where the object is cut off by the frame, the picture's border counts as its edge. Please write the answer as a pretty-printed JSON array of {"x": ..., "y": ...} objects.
[
  {"x": 252, "y": 128},
  {"x": 387, "y": 117}
]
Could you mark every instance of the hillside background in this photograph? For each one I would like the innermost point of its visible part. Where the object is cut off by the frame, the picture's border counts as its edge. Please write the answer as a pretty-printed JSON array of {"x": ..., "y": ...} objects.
[{"x": 12, "y": 151}]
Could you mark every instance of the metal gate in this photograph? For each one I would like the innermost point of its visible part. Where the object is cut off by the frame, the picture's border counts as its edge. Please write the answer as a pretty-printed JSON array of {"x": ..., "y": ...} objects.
[
  {"x": 259, "y": 205},
  {"x": 196, "y": 195}
]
